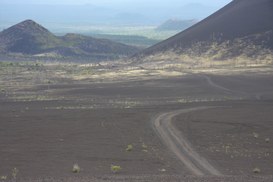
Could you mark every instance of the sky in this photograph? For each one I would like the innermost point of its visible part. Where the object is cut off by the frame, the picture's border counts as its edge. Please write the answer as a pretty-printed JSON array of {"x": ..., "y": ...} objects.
[
  {"x": 116, "y": 2},
  {"x": 115, "y": 12}
]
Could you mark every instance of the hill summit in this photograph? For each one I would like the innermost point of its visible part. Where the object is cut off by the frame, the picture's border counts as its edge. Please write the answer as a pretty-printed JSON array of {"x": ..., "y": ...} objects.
[
  {"x": 31, "y": 39},
  {"x": 27, "y": 37},
  {"x": 27, "y": 27}
]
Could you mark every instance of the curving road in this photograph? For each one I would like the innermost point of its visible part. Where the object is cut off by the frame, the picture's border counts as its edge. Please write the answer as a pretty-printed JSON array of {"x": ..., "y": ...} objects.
[{"x": 179, "y": 145}]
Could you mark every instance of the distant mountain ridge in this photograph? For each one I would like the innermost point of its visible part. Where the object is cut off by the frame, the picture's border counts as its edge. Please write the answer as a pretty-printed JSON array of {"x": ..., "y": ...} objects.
[
  {"x": 176, "y": 24},
  {"x": 240, "y": 24},
  {"x": 30, "y": 38},
  {"x": 131, "y": 13}
]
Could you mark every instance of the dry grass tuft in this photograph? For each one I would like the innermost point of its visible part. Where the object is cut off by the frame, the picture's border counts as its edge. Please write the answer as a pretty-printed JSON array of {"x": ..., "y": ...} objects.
[{"x": 76, "y": 168}]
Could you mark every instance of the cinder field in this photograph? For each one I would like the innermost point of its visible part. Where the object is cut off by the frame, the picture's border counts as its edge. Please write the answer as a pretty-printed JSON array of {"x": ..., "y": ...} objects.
[{"x": 53, "y": 116}]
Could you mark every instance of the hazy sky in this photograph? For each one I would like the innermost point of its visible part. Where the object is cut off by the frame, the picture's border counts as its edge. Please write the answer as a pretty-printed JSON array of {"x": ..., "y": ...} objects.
[
  {"x": 111, "y": 2},
  {"x": 116, "y": 12}
]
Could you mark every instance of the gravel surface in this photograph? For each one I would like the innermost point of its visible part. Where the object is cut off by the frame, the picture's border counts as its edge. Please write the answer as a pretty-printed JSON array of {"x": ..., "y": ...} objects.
[{"x": 158, "y": 178}]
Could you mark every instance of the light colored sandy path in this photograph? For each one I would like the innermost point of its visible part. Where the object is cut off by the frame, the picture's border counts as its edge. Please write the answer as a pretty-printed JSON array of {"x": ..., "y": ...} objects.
[{"x": 179, "y": 145}]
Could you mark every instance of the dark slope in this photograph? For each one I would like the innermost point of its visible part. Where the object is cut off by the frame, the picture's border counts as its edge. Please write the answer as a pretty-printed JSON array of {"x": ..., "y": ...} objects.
[
  {"x": 26, "y": 37},
  {"x": 239, "y": 19},
  {"x": 99, "y": 46},
  {"x": 29, "y": 38}
]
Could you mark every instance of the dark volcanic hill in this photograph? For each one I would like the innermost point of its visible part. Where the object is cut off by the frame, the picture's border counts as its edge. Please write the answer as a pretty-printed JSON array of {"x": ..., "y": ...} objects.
[
  {"x": 250, "y": 21},
  {"x": 27, "y": 37},
  {"x": 30, "y": 38},
  {"x": 175, "y": 24}
]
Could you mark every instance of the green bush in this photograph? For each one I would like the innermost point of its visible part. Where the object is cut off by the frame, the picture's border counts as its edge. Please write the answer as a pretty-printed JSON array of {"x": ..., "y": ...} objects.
[
  {"x": 129, "y": 148},
  {"x": 115, "y": 169}
]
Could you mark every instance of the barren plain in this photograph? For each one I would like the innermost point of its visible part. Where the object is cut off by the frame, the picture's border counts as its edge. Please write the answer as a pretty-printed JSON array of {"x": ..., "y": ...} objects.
[{"x": 53, "y": 117}]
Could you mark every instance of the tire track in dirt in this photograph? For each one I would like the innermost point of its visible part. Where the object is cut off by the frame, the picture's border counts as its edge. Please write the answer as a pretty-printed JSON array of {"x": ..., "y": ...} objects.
[
  {"x": 179, "y": 145},
  {"x": 215, "y": 85},
  {"x": 257, "y": 96}
]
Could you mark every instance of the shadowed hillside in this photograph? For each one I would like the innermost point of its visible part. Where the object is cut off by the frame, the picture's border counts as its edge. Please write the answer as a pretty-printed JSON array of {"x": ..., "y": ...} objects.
[
  {"x": 30, "y": 38},
  {"x": 243, "y": 27}
]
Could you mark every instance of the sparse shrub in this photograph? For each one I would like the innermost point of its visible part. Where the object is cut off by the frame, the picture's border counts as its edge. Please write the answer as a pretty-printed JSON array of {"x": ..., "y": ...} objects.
[
  {"x": 76, "y": 168},
  {"x": 129, "y": 148},
  {"x": 115, "y": 169},
  {"x": 162, "y": 170},
  {"x": 256, "y": 135},
  {"x": 3, "y": 178},
  {"x": 14, "y": 173},
  {"x": 144, "y": 146},
  {"x": 256, "y": 170}
]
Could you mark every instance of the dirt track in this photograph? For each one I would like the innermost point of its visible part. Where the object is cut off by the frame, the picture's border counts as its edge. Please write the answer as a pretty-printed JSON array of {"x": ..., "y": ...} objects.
[
  {"x": 213, "y": 84},
  {"x": 180, "y": 146}
]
